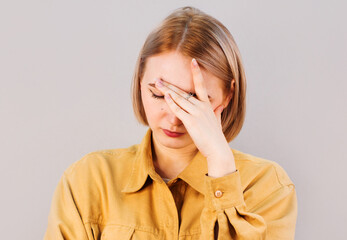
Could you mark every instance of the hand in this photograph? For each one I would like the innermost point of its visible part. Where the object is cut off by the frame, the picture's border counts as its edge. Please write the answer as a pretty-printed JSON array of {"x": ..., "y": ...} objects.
[{"x": 201, "y": 121}]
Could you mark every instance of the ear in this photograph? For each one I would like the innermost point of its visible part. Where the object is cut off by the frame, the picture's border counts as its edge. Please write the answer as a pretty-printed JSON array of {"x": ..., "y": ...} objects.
[{"x": 231, "y": 93}]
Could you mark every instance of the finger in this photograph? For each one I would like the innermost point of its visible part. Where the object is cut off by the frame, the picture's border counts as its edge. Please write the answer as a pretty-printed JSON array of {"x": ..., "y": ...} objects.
[
  {"x": 199, "y": 84},
  {"x": 182, "y": 102},
  {"x": 181, "y": 92},
  {"x": 218, "y": 113},
  {"x": 177, "y": 110}
]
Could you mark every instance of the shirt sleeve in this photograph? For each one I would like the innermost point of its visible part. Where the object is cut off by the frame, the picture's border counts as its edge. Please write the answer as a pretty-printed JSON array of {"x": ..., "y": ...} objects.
[
  {"x": 64, "y": 220},
  {"x": 226, "y": 216}
]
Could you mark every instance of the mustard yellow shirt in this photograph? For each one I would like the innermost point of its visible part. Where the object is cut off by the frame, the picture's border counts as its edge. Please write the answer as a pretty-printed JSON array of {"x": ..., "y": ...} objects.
[{"x": 116, "y": 194}]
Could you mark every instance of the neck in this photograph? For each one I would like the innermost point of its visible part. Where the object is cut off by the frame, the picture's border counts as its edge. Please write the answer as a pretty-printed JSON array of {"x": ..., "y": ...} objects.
[{"x": 169, "y": 162}]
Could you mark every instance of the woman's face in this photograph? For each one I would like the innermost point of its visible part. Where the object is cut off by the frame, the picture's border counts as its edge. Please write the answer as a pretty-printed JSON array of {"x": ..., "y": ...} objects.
[{"x": 174, "y": 68}]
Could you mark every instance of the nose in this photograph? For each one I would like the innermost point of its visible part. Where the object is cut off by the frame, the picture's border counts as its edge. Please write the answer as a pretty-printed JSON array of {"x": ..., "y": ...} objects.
[{"x": 173, "y": 120}]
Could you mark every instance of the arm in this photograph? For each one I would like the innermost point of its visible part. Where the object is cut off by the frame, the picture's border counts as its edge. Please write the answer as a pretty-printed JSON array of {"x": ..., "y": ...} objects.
[
  {"x": 265, "y": 218},
  {"x": 64, "y": 220},
  {"x": 228, "y": 217}
]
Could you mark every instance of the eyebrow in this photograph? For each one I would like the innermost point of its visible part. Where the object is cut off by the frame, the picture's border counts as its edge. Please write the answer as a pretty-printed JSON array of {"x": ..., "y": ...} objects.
[{"x": 153, "y": 86}]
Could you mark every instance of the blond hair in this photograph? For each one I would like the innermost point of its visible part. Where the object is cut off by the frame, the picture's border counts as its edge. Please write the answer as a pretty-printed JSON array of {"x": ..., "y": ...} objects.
[{"x": 198, "y": 35}]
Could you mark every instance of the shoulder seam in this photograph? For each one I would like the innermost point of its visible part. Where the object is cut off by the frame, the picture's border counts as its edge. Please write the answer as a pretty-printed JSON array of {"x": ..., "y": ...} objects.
[
  {"x": 277, "y": 166},
  {"x": 278, "y": 179},
  {"x": 274, "y": 165}
]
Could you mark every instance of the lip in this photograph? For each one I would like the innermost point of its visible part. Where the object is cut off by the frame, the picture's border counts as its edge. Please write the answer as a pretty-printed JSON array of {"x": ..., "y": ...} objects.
[{"x": 172, "y": 134}]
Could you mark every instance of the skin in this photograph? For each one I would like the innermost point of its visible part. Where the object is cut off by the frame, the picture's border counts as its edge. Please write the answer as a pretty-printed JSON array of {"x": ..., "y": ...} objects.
[{"x": 172, "y": 76}]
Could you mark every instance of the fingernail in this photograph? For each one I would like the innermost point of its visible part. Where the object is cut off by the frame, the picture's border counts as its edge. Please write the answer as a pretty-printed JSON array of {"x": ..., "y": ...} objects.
[
  {"x": 159, "y": 82},
  {"x": 195, "y": 63}
]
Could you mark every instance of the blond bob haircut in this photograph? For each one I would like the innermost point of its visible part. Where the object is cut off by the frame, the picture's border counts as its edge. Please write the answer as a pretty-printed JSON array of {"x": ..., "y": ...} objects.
[{"x": 198, "y": 35}]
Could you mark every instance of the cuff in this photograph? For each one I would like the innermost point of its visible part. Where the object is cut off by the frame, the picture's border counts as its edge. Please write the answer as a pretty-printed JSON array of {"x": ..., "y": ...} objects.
[{"x": 223, "y": 192}]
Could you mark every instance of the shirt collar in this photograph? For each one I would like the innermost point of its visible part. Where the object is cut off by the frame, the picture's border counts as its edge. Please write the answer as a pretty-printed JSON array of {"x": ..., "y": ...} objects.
[
  {"x": 193, "y": 174},
  {"x": 142, "y": 165}
]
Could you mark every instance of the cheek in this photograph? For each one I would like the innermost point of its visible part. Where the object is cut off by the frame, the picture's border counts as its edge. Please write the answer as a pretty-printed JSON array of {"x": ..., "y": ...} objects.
[
  {"x": 216, "y": 102},
  {"x": 154, "y": 109},
  {"x": 154, "y": 115}
]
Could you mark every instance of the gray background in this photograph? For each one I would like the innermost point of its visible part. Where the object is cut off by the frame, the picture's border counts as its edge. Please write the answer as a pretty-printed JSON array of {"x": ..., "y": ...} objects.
[{"x": 66, "y": 69}]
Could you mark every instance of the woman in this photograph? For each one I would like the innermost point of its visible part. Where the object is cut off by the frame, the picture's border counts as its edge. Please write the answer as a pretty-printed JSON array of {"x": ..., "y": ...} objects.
[{"x": 183, "y": 181}]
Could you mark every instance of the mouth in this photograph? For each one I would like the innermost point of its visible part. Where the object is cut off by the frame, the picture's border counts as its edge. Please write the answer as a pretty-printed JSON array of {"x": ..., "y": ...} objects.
[{"x": 172, "y": 134}]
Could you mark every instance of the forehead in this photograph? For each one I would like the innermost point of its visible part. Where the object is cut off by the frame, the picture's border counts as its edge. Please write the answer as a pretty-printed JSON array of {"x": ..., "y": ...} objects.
[{"x": 174, "y": 68}]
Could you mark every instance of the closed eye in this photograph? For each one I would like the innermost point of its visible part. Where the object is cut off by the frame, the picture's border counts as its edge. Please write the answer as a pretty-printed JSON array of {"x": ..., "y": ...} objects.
[{"x": 156, "y": 96}]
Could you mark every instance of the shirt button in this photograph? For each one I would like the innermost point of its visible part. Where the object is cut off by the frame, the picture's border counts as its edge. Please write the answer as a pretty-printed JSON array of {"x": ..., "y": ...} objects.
[{"x": 218, "y": 193}]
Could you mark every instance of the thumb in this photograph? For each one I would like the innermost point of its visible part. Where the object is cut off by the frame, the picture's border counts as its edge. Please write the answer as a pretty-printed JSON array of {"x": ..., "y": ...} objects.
[{"x": 218, "y": 113}]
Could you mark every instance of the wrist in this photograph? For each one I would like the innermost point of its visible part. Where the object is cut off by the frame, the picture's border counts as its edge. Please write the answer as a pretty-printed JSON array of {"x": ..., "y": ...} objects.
[{"x": 221, "y": 164}]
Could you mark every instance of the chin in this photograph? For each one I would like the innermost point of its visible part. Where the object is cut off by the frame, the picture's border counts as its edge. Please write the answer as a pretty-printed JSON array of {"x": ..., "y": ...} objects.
[{"x": 173, "y": 144}]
